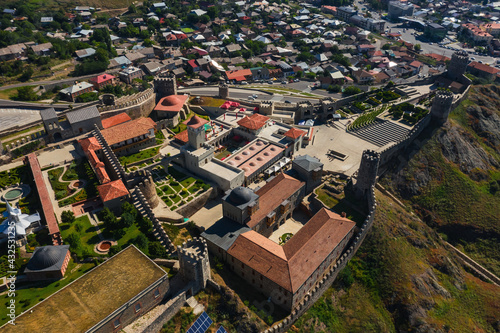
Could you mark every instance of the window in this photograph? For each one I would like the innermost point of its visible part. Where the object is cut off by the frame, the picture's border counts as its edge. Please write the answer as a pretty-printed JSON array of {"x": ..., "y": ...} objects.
[
  {"x": 232, "y": 259},
  {"x": 116, "y": 323},
  {"x": 157, "y": 293},
  {"x": 242, "y": 265},
  {"x": 137, "y": 307}
]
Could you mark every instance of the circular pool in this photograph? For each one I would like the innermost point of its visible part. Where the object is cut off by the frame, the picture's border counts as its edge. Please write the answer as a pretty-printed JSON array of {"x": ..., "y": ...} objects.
[{"x": 13, "y": 194}]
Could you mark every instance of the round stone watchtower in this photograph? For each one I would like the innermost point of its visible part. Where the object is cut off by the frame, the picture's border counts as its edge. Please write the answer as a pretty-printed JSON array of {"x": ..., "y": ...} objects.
[
  {"x": 457, "y": 66},
  {"x": 223, "y": 91},
  {"x": 441, "y": 106}
]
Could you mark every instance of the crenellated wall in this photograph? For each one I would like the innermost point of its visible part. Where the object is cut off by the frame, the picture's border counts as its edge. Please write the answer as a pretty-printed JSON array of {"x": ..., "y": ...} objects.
[
  {"x": 194, "y": 263},
  {"x": 136, "y": 106}
]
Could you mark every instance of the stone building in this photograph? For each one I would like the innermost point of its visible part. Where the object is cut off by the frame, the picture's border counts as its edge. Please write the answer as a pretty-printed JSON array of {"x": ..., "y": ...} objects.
[
  {"x": 113, "y": 194},
  {"x": 194, "y": 264},
  {"x": 172, "y": 106},
  {"x": 266, "y": 209},
  {"x": 51, "y": 124},
  {"x": 83, "y": 120},
  {"x": 164, "y": 85},
  {"x": 105, "y": 299},
  {"x": 367, "y": 173},
  {"x": 284, "y": 274},
  {"x": 310, "y": 170},
  {"x": 48, "y": 263},
  {"x": 131, "y": 136},
  {"x": 457, "y": 66}
]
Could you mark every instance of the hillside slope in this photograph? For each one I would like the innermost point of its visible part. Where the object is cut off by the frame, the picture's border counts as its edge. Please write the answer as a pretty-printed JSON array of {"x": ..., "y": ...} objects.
[
  {"x": 453, "y": 182},
  {"x": 403, "y": 279}
]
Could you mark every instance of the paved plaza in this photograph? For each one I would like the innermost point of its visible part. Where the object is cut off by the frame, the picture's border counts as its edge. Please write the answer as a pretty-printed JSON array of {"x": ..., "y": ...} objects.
[
  {"x": 336, "y": 138},
  {"x": 17, "y": 117}
]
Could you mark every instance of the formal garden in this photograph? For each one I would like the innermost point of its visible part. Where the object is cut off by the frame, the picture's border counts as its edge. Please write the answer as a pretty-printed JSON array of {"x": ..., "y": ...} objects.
[
  {"x": 73, "y": 183},
  {"x": 409, "y": 112},
  {"x": 127, "y": 228},
  {"x": 176, "y": 188}
]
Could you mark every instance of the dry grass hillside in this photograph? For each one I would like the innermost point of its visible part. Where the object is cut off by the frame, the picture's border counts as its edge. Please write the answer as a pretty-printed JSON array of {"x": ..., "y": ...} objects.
[{"x": 403, "y": 279}]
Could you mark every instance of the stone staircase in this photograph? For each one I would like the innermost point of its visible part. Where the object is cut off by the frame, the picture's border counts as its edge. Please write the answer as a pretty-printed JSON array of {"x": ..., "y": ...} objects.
[{"x": 381, "y": 132}]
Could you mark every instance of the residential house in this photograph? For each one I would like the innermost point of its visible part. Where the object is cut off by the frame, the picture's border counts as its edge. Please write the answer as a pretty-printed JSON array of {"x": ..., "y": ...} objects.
[
  {"x": 81, "y": 54},
  {"x": 239, "y": 75},
  {"x": 232, "y": 48},
  {"x": 152, "y": 68},
  {"x": 79, "y": 88},
  {"x": 129, "y": 74},
  {"x": 102, "y": 80},
  {"x": 362, "y": 77},
  {"x": 42, "y": 49}
]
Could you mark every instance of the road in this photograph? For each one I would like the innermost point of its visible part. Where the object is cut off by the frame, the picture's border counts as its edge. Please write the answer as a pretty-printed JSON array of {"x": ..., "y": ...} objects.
[{"x": 60, "y": 82}]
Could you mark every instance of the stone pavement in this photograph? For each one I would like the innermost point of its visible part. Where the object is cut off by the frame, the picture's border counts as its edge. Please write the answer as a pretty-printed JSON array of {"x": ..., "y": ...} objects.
[
  {"x": 328, "y": 137},
  {"x": 17, "y": 117},
  {"x": 209, "y": 214}
]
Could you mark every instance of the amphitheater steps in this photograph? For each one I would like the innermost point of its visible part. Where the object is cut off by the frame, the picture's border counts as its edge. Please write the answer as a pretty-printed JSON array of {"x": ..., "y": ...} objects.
[{"x": 381, "y": 133}]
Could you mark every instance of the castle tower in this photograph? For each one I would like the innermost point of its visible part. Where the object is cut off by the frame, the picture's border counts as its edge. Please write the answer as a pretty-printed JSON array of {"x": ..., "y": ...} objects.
[
  {"x": 164, "y": 85},
  {"x": 223, "y": 91},
  {"x": 51, "y": 124},
  {"x": 441, "y": 106},
  {"x": 194, "y": 263},
  {"x": 457, "y": 66},
  {"x": 266, "y": 107},
  {"x": 196, "y": 131},
  {"x": 148, "y": 189},
  {"x": 367, "y": 173}
]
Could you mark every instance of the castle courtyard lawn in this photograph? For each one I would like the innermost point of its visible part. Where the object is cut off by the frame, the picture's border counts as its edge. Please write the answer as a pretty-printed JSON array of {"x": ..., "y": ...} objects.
[
  {"x": 88, "y": 234},
  {"x": 142, "y": 155}
]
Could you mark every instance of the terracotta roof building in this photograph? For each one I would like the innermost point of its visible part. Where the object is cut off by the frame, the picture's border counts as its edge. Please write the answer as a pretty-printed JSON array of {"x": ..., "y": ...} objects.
[
  {"x": 239, "y": 75},
  {"x": 93, "y": 151},
  {"x": 170, "y": 106},
  {"x": 482, "y": 70},
  {"x": 131, "y": 136},
  {"x": 102, "y": 80},
  {"x": 112, "y": 191},
  {"x": 254, "y": 123},
  {"x": 287, "y": 273},
  {"x": 43, "y": 193},
  {"x": 115, "y": 120}
]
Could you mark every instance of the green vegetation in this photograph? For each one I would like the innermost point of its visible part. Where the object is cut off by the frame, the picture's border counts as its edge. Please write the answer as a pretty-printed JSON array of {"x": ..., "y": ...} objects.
[
  {"x": 178, "y": 235},
  {"x": 140, "y": 156},
  {"x": 365, "y": 119},
  {"x": 29, "y": 296},
  {"x": 61, "y": 189},
  {"x": 84, "y": 171},
  {"x": 408, "y": 111},
  {"x": 14, "y": 176},
  {"x": 207, "y": 101},
  {"x": 341, "y": 204},
  {"x": 81, "y": 235},
  {"x": 387, "y": 96},
  {"x": 351, "y": 90},
  {"x": 430, "y": 289}
]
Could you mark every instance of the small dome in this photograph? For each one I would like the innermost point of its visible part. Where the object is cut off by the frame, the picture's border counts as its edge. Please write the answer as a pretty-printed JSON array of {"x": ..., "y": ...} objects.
[
  {"x": 171, "y": 100},
  {"x": 240, "y": 196},
  {"x": 44, "y": 257}
]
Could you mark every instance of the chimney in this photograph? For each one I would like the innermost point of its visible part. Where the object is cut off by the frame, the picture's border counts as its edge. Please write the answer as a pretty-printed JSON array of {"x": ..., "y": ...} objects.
[{"x": 343, "y": 214}]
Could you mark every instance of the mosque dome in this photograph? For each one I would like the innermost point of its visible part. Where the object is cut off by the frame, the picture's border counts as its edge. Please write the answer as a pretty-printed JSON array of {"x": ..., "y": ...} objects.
[
  {"x": 45, "y": 257},
  {"x": 240, "y": 196}
]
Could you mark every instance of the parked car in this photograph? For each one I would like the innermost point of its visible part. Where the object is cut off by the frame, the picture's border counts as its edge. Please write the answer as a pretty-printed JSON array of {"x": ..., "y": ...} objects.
[
  {"x": 284, "y": 82},
  {"x": 296, "y": 80},
  {"x": 288, "y": 102}
]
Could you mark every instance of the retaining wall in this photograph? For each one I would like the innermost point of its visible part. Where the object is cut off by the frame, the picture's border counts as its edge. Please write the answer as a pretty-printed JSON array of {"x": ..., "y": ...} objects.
[{"x": 190, "y": 208}]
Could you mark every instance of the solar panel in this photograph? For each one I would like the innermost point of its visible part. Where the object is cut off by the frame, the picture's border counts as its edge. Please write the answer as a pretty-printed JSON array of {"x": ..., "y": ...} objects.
[
  {"x": 221, "y": 330},
  {"x": 201, "y": 324}
]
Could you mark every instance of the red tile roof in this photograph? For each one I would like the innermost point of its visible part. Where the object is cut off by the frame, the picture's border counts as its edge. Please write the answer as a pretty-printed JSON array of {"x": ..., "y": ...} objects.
[
  {"x": 254, "y": 122},
  {"x": 273, "y": 194},
  {"x": 115, "y": 120},
  {"x": 172, "y": 103},
  {"x": 294, "y": 133},
  {"x": 292, "y": 264},
  {"x": 128, "y": 130},
  {"x": 416, "y": 64},
  {"x": 238, "y": 74},
  {"x": 195, "y": 122},
  {"x": 182, "y": 136},
  {"x": 484, "y": 68},
  {"x": 89, "y": 144},
  {"x": 43, "y": 193},
  {"x": 437, "y": 57},
  {"x": 112, "y": 190}
]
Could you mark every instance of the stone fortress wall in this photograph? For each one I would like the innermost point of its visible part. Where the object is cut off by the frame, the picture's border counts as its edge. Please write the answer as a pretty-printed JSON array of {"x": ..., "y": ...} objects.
[{"x": 136, "y": 105}]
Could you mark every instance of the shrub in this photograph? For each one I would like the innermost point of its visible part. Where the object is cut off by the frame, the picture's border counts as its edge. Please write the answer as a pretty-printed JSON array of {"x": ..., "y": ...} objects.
[{"x": 67, "y": 216}]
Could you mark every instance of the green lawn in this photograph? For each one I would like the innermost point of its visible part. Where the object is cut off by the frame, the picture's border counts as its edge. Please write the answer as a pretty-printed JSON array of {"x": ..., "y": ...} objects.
[
  {"x": 142, "y": 155},
  {"x": 167, "y": 201},
  {"x": 176, "y": 199},
  {"x": 28, "y": 297},
  {"x": 176, "y": 187},
  {"x": 188, "y": 181},
  {"x": 167, "y": 190},
  {"x": 61, "y": 189},
  {"x": 181, "y": 127},
  {"x": 14, "y": 176},
  {"x": 176, "y": 173},
  {"x": 83, "y": 171},
  {"x": 88, "y": 235}
]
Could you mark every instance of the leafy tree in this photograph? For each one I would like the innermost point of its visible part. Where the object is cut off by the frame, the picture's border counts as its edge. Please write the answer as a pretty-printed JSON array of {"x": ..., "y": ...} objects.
[
  {"x": 127, "y": 220},
  {"x": 119, "y": 233},
  {"x": 127, "y": 207},
  {"x": 386, "y": 46},
  {"x": 87, "y": 97},
  {"x": 132, "y": 9},
  {"x": 141, "y": 242},
  {"x": 74, "y": 242},
  {"x": 26, "y": 93},
  {"x": 148, "y": 42},
  {"x": 352, "y": 90},
  {"x": 27, "y": 74},
  {"x": 204, "y": 19},
  {"x": 67, "y": 216},
  {"x": 114, "y": 250},
  {"x": 299, "y": 74},
  {"x": 156, "y": 249},
  {"x": 109, "y": 219},
  {"x": 145, "y": 225},
  {"x": 418, "y": 47}
]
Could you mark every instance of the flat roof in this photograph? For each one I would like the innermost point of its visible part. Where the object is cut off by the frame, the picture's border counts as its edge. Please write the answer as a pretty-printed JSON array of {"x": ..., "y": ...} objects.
[
  {"x": 224, "y": 232},
  {"x": 220, "y": 170},
  {"x": 92, "y": 297}
]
